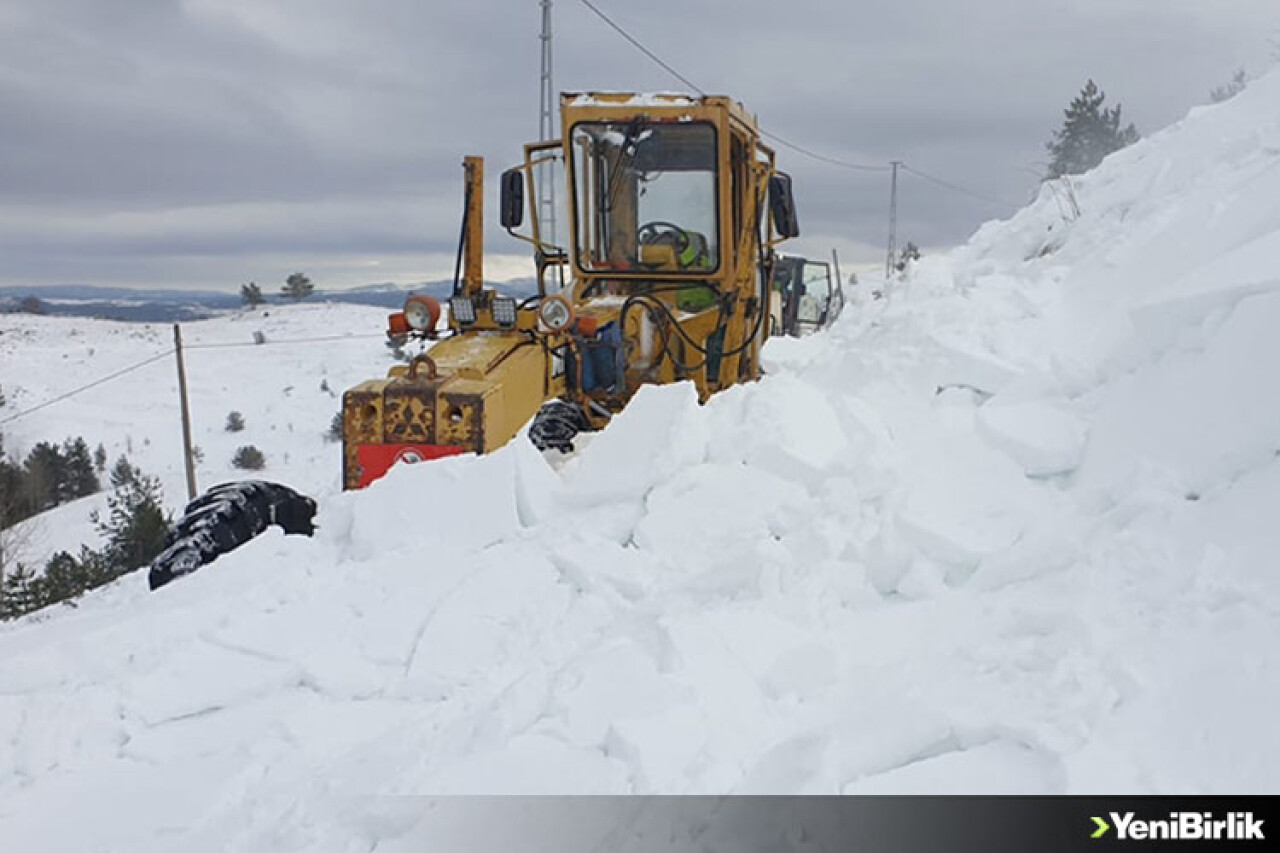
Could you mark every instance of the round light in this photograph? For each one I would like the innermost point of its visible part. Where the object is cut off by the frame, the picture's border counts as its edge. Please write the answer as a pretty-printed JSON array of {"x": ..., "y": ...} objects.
[
  {"x": 422, "y": 312},
  {"x": 556, "y": 313}
]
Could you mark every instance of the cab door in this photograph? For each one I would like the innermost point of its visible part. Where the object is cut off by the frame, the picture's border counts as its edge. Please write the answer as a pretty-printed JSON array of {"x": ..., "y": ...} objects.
[{"x": 816, "y": 298}]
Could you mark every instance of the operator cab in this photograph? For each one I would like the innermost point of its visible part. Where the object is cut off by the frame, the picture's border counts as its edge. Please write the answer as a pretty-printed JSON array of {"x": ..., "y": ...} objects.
[
  {"x": 653, "y": 254},
  {"x": 805, "y": 299},
  {"x": 646, "y": 196}
]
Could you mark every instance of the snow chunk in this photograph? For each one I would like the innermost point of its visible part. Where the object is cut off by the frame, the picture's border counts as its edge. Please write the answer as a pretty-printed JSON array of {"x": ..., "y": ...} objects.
[
  {"x": 1043, "y": 436},
  {"x": 662, "y": 430},
  {"x": 451, "y": 505},
  {"x": 784, "y": 425}
]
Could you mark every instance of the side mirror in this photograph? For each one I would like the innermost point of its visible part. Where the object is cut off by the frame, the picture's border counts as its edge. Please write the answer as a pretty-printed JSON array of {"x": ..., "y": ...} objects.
[
  {"x": 782, "y": 206},
  {"x": 512, "y": 204}
]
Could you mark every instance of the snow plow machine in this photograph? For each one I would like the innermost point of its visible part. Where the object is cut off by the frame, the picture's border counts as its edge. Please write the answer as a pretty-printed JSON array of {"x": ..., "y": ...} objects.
[{"x": 653, "y": 222}]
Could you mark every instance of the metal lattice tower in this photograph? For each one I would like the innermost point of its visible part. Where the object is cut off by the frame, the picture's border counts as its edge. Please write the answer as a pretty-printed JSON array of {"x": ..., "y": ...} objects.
[
  {"x": 893, "y": 223},
  {"x": 547, "y": 125}
]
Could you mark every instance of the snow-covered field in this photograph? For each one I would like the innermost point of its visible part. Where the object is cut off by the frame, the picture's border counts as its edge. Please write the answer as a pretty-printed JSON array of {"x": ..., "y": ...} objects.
[
  {"x": 279, "y": 388},
  {"x": 1010, "y": 530}
]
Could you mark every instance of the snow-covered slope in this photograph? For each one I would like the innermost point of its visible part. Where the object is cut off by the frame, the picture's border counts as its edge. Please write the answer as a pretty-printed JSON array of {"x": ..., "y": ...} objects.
[
  {"x": 286, "y": 389},
  {"x": 1010, "y": 530}
]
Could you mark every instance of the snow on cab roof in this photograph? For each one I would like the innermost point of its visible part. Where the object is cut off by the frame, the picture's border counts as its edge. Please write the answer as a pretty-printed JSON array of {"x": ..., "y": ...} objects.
[{"x": 639, "y": 99}]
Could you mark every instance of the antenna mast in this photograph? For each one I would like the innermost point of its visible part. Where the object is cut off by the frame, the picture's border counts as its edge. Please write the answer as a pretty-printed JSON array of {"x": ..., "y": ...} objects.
[
  {"x": 547, "y": 129},
  {"x": 890, "y": 260}
]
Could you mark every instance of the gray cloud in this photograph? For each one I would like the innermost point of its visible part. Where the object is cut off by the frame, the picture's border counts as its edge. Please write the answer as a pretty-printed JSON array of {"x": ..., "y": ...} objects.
[{"x": 207, "y": 142}]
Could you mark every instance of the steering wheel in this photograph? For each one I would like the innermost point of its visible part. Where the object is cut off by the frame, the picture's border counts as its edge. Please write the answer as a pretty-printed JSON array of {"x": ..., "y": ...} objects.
[{"x": 658, "y": 231}]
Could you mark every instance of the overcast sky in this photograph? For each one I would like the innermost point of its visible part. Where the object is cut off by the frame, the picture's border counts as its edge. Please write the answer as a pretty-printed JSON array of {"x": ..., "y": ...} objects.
[{"x": 206, "y": 143}]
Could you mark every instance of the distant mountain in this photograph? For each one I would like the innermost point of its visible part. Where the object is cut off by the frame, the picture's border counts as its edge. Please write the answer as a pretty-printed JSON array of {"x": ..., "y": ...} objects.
[{"x": 175, "y": 306}]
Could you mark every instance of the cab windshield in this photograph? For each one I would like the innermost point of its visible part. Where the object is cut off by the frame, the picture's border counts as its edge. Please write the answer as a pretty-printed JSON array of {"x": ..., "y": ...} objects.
[{"x": 646, "y": 196}]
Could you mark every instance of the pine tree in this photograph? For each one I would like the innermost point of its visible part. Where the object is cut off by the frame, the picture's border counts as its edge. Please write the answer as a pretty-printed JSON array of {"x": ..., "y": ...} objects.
[
  {"x": 136, "y": 524},
  {"x": 46, "y": 475},
  {"x": 12, "y": 500},
  {"x": 64, "y": 578},
  {"x": 1089, "y": 133},
  {"x": 20, "y": 593},
  {"x": 251, "y": 295},
  {"x": 297, "y": 286},
  {"x": 1230, "y": 89},
  {"x": 100, "y": 458},
  {"x": 249, "y": 458},
  {"x": 122, "y": 473},
  {"x": 910, "y": 252},
  {"x": 82, "y": 479}
]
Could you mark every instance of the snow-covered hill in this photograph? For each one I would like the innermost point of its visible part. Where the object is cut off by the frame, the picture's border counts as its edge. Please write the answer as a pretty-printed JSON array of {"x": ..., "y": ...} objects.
[
  {"x": 1009, "y": 530},
  {"x": 287, "y": 389}
]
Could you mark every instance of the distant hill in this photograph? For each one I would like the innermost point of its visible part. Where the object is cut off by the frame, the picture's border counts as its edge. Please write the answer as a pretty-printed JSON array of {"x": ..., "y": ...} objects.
[{"x": 161, "y": 305}]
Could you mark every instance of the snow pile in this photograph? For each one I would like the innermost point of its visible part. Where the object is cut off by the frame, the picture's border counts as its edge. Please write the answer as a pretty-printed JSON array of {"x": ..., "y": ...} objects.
[{"x": 1008, "y": 532}]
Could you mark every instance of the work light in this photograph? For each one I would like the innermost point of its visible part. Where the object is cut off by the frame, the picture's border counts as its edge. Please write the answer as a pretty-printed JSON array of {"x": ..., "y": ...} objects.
[
  {"x": 463, "y": 309},
  {"x": 504, "y": 310}
]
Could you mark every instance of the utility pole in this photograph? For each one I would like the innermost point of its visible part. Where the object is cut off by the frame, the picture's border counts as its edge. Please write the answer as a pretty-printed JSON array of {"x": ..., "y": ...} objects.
[
  {"x": 187, "y": 453},
  {"x": 547, "y": 127},
  {"x": 893, "y": 224}
]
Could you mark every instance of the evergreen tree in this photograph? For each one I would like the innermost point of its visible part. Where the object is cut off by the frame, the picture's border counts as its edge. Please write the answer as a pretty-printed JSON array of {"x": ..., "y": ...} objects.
[
  {"x": 249, "y": 458},
  {"x": 122, "y": 473},
  {"x": 20, "y": 593},
  {"x": 12, "y": 489},
  {"x": 1230, "y": 89},
  {"x": 251, "y": 295},
  {"x": 100, "y": 458},
  {"x": 46, "y": 474},
  {"x": 235, "y": 422},
  {"x": 297, "y": 286},
  {"x": 64, "y": 578},
  {"x": 1089, "y": 133},
  {"x": 910, "y": 252},
  {"x": 136, "y": 524},
  {"x": 82, "y": 479}
]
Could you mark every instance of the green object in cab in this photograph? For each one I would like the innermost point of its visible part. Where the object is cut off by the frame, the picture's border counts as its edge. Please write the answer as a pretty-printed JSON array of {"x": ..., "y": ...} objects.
[{"x": 694, "y": 299}]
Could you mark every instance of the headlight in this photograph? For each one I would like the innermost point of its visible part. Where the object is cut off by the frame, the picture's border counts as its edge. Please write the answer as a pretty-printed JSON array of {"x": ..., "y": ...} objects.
[
  {"x": 463, "y": 309},
  {"x": 555, "y": 313},
  {"x": 422, "y": 313},
  {"x": 504, "y": 310}
]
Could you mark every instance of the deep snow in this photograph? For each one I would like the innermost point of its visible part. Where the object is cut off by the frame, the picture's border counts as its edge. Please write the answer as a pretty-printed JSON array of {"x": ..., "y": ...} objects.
[{"x": 1009, "y": 530}]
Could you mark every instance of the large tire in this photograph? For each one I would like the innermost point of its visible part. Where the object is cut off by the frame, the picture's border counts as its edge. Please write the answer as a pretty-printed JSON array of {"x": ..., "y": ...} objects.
[
  {"x": 556, "y": 424},
  {"x": 223, "y": 519}
]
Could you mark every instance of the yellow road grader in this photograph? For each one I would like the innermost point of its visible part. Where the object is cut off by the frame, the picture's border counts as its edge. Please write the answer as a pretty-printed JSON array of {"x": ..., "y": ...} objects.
[
  {"x": 653, "y": 222},
  {"x": 653, "y": 266}
]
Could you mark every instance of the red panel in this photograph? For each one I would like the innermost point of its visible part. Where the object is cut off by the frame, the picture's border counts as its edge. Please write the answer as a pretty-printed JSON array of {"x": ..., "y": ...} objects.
[{"x": 376, "y": 459}]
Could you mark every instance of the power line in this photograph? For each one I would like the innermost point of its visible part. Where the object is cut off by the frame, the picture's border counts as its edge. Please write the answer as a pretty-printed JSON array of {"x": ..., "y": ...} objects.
[
  {"x": 626, "y": 35},
  {"x": 845, "y": 164},
  {"x": 83, "y": 388},
  {"x": 274, "y": 342},
  {"x": 141, "y": 364},
  {"x": 800, "y": 149},
  {"x": 956, "y": 187},
  {"x": 859, "y": 167}
]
